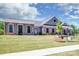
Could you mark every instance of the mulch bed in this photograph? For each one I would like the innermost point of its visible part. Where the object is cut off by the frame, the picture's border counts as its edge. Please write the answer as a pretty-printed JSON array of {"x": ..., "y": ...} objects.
[{"x": 60, "y": 39}]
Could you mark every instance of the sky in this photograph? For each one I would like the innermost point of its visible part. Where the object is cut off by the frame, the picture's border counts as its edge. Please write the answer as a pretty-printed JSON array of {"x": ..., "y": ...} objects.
[{"x": 68, "y": 13}]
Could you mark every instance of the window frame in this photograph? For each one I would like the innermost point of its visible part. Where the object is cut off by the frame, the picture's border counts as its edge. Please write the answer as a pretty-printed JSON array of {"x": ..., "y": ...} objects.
[
  {"x": 29, "y": 30},
  {"x": 54, "y": 20},
  {"x": 53, "y": 30},
  {"x": 47, "y": 30},
  {"x": 12, "y": 28}
]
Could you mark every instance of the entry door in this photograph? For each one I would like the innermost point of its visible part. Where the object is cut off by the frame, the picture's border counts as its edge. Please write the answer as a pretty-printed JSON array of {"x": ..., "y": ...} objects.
[{"x": 20, "y": 29}]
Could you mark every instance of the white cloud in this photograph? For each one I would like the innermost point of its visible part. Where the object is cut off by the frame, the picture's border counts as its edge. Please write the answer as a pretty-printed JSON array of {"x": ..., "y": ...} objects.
[
  {"x": 71, "y": 11},
  {"x": 66, "y": 8},
  {"x": 69, "y": 7},
  {"x": 76, "y": 12},
  {"x": 74, "y": 17},
  {"x": 18, "y": 11}
]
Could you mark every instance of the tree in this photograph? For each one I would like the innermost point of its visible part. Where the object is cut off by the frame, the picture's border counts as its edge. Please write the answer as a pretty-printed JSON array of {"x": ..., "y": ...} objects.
[
  {"x": 75, "y": 30},
  {"x": 59, "y": 27},
  {"x": 1, "y": 27}
]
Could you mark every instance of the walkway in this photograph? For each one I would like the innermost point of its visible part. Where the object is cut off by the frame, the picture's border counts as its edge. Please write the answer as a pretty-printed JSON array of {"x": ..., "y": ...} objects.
[{"x": 47, "y": 51}]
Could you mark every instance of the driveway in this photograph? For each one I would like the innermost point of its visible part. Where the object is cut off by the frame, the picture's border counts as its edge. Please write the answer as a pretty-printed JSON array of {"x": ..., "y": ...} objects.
[{"x": 43, "y": 52}]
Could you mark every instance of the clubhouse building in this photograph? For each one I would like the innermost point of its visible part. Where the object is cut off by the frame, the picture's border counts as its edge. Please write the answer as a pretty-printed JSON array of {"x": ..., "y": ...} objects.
[{"x": 30, "y": 27}]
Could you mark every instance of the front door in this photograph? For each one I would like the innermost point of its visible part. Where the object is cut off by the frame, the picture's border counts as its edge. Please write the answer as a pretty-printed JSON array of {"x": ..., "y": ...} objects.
[{"x": 20, "y": 30}]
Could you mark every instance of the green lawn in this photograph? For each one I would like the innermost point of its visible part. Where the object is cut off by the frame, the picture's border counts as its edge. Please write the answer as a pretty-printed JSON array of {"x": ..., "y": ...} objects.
[
  {"x": 69, "y": 53},
  {"x": 15, "y": 43}
]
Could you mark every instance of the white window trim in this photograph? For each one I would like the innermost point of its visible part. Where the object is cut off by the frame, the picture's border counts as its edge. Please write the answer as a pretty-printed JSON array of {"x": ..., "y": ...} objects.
[
  {"x": 22, "y": 28},
  {"x": 13, "y": 27},
  {"x": 30, "y": 29}
]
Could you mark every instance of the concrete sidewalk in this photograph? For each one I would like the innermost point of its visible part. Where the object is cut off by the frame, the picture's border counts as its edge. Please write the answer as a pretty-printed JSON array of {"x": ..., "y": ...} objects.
[{"x": 47, "y": 51}]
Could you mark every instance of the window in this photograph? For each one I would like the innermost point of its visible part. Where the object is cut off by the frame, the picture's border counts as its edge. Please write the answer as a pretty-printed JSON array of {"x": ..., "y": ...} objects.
[
  {"x": 54, "y": 20},
  {"x": 11, "y": 28},
  {"x": 28, "y": 29},
  {"x": 20, "y": 29},
  {"x": 68, "y": 30},
  {"x": 52, "y": 30},
  {"x": 47, "y": 30},
  {"x": 64, "y": 31}
]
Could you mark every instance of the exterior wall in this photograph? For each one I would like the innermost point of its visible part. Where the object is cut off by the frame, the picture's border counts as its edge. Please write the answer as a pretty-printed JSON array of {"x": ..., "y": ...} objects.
[
  {"x": 7, "y": 31},
  {"x": 35, "y": 29},
  {"x": 18, "y": 29},
  {"x": 67, "y": 30},
  {"x": 25, "y": 28},
  {"x": 50, "y": 29},
  {"x": 15, "y": 30}
]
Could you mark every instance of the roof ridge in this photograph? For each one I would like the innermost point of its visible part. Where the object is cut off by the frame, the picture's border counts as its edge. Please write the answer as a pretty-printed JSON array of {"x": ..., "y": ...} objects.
[{"x": 50, "y": 17}]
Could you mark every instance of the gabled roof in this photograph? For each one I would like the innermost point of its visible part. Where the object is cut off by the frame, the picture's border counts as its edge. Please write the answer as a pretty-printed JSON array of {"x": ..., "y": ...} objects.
[
  {"x": 21, "y": 21},
  {"x": 65, "y": 24},
  {"x": 43, "y": 22},
  {"x": 36, "y": 23}
]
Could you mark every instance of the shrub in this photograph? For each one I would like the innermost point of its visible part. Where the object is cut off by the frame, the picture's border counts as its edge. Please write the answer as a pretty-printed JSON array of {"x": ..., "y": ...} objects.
[
  {"x": 40, "y": 33},
  {"x": 1, "y": 31},
  {"x": 1, "y": 28}
]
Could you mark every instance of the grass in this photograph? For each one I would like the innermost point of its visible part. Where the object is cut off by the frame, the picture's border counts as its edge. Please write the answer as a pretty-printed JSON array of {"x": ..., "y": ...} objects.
[
  {"x": 69, "y": 53},
  {"x": 15, "y": 43}
]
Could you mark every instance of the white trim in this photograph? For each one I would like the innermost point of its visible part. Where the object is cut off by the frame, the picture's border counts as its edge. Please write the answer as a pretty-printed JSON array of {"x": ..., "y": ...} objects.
[
  {"x": 49, "y": 26},
  {"x": 8, "y": 27}
]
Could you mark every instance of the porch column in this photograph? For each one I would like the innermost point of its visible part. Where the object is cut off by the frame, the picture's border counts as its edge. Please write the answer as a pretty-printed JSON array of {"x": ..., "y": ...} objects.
[{"x": 15, "y": 28}]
